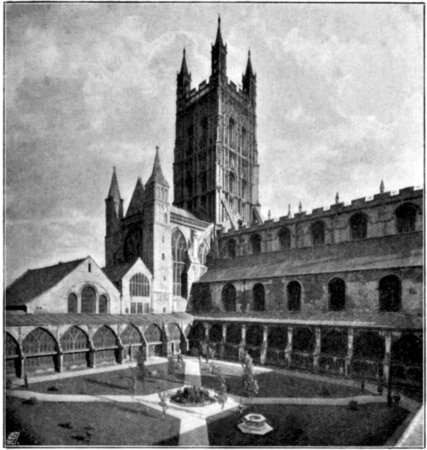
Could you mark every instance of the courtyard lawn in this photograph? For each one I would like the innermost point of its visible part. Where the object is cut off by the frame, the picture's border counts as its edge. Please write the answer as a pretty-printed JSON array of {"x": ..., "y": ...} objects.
[
  {"x": 370, "y": 425},
  {"x": 57, "y": 423},
  {"x": 109, "y": 383},
  {"x": 274, "y": 384}
]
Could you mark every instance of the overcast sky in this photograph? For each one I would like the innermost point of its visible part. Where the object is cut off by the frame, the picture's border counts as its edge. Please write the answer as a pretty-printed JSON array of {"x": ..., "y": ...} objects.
[{"x": 92, "y": 86}]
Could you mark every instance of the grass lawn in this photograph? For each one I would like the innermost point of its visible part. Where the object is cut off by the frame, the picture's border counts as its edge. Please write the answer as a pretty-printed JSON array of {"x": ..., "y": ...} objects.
[
  {"x": 310, "y": 426},
  {"x": 273, "y": 384},
  {"x": 57, "y": 423},
  {"x": 108, "y": 383}
]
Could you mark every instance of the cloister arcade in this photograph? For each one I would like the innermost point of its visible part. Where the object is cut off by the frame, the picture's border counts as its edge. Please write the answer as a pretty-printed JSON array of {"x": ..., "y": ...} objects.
[
  {"x": 33, "y": 350},
  {"x": 341, "y": 351}
]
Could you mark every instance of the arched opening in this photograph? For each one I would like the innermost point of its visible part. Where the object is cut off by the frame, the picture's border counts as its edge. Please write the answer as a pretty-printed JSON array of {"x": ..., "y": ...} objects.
[
  {"x": 358, "y": 227},
  {"x": 231, "y": 183},
  {"x": 254, "y": 335},
  {"x": 196, "y": 335},
  {"x": 175, "y": 334},
  {"x": 406, "y": 216},
  {"x": 369, "y": 345},
  {"x": 277, "y": 340},
  {"x": 231, "y": 248},
  {"x": 258, "y": 294},
  {"x": 139, "y": 289},
  {"x": 75, "y": 345},
  {"x": 40, "y": 351},
  {"x": 231, "y": 132},
  {"x": 303, "y": 340},
  {"x": 179, "y": 255},
  {"x": 154, "y": 338},
  {"x": 106, "y": 346},
  {"x": 13, "y": 360},
  {"x": 390, "y": 292},
  {"x": 88, "y": 300},
  {"x": 294, "y": 296},
  {"x": 103, "y": 304},
  {"x": 255, "y": 242},
  {"x": 284, "y": 238},
  {"x": 215, "y": 333},
  {"x": 407, "y": 359},
  {"x": 72, "y": 304},
  {"x": 234, "y": 334},
  {"x": 336, "y": 289},
  {"x": 229, "y": 298},
  {"x": 334, "y": 342},
  {"x": 318, "y": 233},
  {"x": 132, "y": 342}
]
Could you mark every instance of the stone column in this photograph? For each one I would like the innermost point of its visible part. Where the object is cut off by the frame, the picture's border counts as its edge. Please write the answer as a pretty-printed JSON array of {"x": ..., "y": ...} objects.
[
  {"x": 288, "y": 349},
  {"x": 224, "y": 336},
  {"x": 207, "y": 330},
  {"x": 21, "y": 368},
  {"x": 263, "y": 354},
  {"x": 317, "y": 347},
  {"x": 91, "y": 355},
  {"x": 349, "y": 357},
  {"x": 59, "y": 361},
  {"x": 242, "y": 344},
  {"x": 387, "y": 356}
]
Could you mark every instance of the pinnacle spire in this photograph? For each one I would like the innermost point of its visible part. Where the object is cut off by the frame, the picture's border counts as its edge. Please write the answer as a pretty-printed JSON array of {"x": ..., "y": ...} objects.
[
  {"x": 137, "y": 201},
  {"x": 249, "y": 71},
  {"x": 114, "y": 191},
  {"x": 184, "y": 69},
  {"x": 157, "y": 174},
  {"x": 218, "y": 40}
]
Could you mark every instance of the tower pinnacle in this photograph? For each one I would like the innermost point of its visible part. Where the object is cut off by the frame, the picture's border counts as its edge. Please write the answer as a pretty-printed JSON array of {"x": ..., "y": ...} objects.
[
  {"x": 157, "y": 174},
  {"x": 114, "y": 191}
]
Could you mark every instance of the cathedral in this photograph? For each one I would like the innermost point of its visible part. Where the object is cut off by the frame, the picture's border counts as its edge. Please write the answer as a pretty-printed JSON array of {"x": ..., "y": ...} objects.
[{"x": 336, "y": 291}]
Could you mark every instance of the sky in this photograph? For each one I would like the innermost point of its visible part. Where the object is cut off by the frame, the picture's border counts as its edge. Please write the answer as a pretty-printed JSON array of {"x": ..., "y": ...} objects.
[{"x": 92, "y": 86}]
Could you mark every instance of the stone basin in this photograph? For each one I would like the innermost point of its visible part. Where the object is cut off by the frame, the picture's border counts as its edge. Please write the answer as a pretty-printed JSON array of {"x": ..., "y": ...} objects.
[{"x": 254, "y": 424}]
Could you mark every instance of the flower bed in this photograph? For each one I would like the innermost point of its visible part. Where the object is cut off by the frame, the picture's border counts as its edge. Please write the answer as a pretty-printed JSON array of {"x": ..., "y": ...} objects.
[{"x": 192, "y": 396}]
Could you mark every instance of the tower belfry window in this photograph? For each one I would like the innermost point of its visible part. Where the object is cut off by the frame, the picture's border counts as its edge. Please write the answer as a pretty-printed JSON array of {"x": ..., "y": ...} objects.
[
  {"x": 231, "y": 132},
  {"x": 179, "y": 252}
]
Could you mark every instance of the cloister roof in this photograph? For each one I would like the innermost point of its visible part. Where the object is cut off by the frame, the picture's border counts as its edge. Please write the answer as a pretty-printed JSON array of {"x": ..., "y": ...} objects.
[
  {"x": 386, "y": 252},
  {"x": 18, "y": 319},
  {"x": 388, "y": 320}
]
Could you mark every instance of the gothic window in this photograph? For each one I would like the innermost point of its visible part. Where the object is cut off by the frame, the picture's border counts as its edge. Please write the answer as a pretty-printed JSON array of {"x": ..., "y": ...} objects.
[
  {"x": 406, "y": 217},
  {"x": 318, "y": 233},
  {"x": 244, "y": 141},
  {"x": 104, "y": 338},
  {"x": 139, "y": 286},
  {"x": 294, "y": 296},
  {"x": 203, "y": 252},
  {"x": 231, "y": 132},
  {"x": 232, "y": 183},
  {"x": 189, "y": 185},
  {"x": 190, "y": 135},
  {"x": 336, "y": 289},
  {"x": 390, "y": 290},
  {"x": 179, "y": 253},
  {"x": 229, "y": 297},
  {"x": 12, "y": 348},
  {"x": 153, "y": 334},
  {"x": 74, "y": 339},
  {"x": 358, "y": 227},
  {"x": 103, "y": 304},
  {"x": 255, "y": 242},
  {"x": 133, "y": 245},
  {"x": 231, "y": 248},
  {"x": 284, "y": 238},
  {"x": 244, "y": 189},
  {"x": 204, "y": 135},
  {"x": 39, "y": 341},
  {"x": 72, "y": 303},
  {"x": 203, "y": 182},
  {"x": 258, "y": 297},
  {"x": 88, "y": 300}
]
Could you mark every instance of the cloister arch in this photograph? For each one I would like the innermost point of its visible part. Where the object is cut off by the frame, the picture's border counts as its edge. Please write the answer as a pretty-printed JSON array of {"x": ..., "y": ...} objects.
[
  {"x": 75, "y": 345},
  {"x": 106, "y": 345},
  {"x": 154, "y": 338},
  {"x": 133, "y": 342},
  {"x": 40, "y": 350}
]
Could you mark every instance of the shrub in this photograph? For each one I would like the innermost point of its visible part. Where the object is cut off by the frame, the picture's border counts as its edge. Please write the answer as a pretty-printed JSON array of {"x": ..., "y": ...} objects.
[
  {"x": 191, "y": 395},
  {"x": 250, "y": 384},
  {"x": 53, "y": 389},
  {"x": 353, "y": 405},
  {"x": 325, "y": 391},
  {"x": 30, "y": 401},
  {"x": 66, "y": 425}
]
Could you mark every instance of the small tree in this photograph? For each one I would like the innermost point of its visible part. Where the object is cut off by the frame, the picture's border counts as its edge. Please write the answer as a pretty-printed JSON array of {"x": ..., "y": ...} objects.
[
  {"x": 221, "y": 390},
  {"x": 163, "y": 402},
  {"x": 140, "y": 372},
  {"x": 250, "y": 384}
]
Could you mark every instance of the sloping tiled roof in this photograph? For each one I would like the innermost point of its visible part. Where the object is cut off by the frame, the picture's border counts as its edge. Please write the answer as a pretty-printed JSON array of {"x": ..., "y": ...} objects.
[
  {"x": 404, "y": 250},
  {"x": 333, "y": 318},
  {"x": 34, "y": 282},
  {"x": 117, "y": 272},
  {"x": 184, "y": 213},
  {"x": 17, "y": 319}
]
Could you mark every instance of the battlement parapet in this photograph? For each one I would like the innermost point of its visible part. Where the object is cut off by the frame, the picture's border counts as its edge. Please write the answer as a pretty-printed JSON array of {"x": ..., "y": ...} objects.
[{"x": 341, "y": 208}]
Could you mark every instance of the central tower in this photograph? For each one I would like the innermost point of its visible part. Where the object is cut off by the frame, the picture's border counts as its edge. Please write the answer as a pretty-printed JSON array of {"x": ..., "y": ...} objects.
[{"x": 216, "y": 170}]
